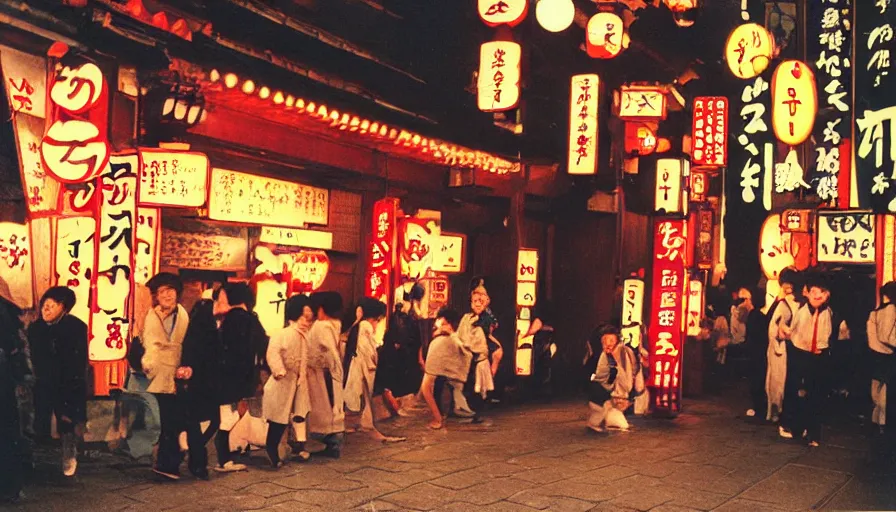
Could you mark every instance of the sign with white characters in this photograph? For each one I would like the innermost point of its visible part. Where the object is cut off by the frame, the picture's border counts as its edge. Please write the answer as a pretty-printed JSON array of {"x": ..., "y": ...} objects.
[
  {"x": 583, "y": 124},
  {"x": 846, "y": 237},
  {"x": 789, "y": 174},
  {"x": 710, "y": 131},
  {"x": 752, "y": 159},
  {"x": 829, "y": 49}
]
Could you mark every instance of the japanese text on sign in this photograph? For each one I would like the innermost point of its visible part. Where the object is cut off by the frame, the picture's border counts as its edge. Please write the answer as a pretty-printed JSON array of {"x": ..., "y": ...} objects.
[
  {"x": 667, "y": 195},
  {"x": 499, "y": 76},
  {"x": 875, "y": 107},
  {"x": 247, "y": 198},
  {"x": 16, "y": 262},
  {"x": 846, "y": 237},
  {"x": 710, "y": 131},
  {"x": 146, "y": 256},
  {"x": 829, "y": 47},
  {"x": 498, "y": 12},
  {"x": 755, "y": 150},
  {"x": 25, "y": 81},
  {"x": 794, "y": 102},
  {"x": 171, "y": 178},
  {"x": 642, "y": 103},
  {"x": 748, "y": 50},
  {"x": 667, "y": 308},
  {"x": 381, "y": 259},
  {"x": 583, "y": 125},
  {"x": 74, "y": 260},
  {"x": 109, "y": 324},
  {"x": 449, "y": 256}
]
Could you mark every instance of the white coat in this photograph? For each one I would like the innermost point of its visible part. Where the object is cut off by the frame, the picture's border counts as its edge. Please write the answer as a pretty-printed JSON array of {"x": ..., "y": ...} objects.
[
  {"x": 324, "y": 378},
  {"x": 163, "y": 352},
  {"x": 776, "y": 374},
  {"x": 286, "y": 396},
  {"x": 362, "y": 371}
]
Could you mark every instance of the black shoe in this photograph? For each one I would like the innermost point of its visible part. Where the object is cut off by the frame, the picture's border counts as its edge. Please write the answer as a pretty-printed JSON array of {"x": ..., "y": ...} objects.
[
  {"x": 200, "y": 474},
  {"x": 331, "y": 451}
]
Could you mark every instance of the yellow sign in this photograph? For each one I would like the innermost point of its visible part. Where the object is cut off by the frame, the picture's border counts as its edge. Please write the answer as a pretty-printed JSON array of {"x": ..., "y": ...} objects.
[
  {"x": 250, "y": 199},
  {"x": 749, "y": 50},
  {"x": 499, "y": 76},
  {"x": 583, "y": 124},
  {"x": 794, "y": 102}
]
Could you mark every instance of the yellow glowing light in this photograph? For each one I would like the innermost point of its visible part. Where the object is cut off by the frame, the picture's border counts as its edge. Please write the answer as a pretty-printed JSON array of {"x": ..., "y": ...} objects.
[
  {"x": 374, "y": 128},
  {"x": 393, "y": 133},
  {"x": 334, "y": 117},
  {"x": 605, "y": 36},
  {"x": 279, "y": 98},
  {"x": 214, "y": 76},
  {"x": 416, "y": 139},
  {"x": 230, "y": 80},
  {"x": 794, "y": 102},
  {"x": 498, "y": 92},
  {"x": 300, "y": 104},
  {"x": 322, "y": 112},
  {"x": 248, "y": 87},
  {"x": 311, "y": 108},
  {"x": 749, "y": 50},
  {"x": 365, "y": 126},
  {"x": 555, "y": 15},
  {"x": 290, "y": 101},
  {"x": 384, "y": 131},
  {"x": 264, "y": 93},
  {"x": 354, "y": 124}
]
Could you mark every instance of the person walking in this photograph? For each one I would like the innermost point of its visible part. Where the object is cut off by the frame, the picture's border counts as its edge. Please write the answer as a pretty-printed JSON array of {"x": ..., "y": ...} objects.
[
  {"x": 881, "y": 329},
  {"x": 163, "y": 336},
  {"x": 286, "y": 393},
  {"x": 58, "y": 342},
  {"x": 780, "y": 314},
  {"x": 326, "y": 419},
  {"x": 14, "y": 372},
  {"x": 242, "y": 335},
  {"x": 197, "y": 385},
  {"x": 447, "y": 360}
]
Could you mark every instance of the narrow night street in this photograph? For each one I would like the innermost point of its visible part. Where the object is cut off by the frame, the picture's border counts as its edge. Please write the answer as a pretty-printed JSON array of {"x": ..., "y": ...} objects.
[{"x": 534, "y": 457}]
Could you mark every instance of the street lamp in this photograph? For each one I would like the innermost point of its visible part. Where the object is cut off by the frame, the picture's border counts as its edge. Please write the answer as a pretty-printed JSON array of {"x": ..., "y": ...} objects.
[{"x": 555, "y": 15}]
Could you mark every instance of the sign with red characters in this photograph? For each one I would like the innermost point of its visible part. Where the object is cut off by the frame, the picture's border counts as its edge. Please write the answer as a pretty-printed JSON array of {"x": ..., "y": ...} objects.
[
  {"x": 666, "y": 314},
  {"x": 710, "y": 131},
  {"x": 381, "y": 258}
]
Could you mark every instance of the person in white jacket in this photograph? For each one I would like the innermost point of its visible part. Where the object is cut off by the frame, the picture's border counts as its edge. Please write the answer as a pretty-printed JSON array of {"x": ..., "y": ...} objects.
[
  {"x": 362, "y": 368},
  {"x": 780, "y": 313},
  {"x": 612, "y": 381},
  {"x": 881, "y": 328},
  {"x": 285, "y": 397}
]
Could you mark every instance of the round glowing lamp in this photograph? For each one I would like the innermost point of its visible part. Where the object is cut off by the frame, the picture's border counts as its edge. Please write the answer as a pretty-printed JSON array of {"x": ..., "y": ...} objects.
[{"x": 555, "y": 15}]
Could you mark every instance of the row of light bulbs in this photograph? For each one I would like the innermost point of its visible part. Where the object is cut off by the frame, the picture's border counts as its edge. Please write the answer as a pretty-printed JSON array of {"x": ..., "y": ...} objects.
[{"x": 448, "y": 154}]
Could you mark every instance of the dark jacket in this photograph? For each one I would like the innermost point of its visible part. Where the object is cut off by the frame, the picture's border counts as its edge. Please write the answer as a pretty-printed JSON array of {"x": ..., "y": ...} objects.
[
  {"x": 243, "y": 343},
  {"x": 59, "y": 357},
  {"x": 201, "y": 352}
]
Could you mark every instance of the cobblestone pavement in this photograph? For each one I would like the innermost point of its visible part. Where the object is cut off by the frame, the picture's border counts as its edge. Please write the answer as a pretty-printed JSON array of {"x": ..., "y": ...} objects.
[{"x": 534, "y": 457}]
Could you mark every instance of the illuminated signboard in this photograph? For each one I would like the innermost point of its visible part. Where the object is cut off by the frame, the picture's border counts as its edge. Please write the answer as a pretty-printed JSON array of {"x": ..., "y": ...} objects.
[
  {"x": 499, "y": 12},
  {"x": 846, "y": 237},
  {"x": 173, "y": 178},
  {"x": 251, "y": 199},
  {"x": 499, "y": 76},
  {"x": 381, "y": 259},
  {"x": 794, "y": 102},
  {"x": 526, "y": 298},
  {"x": 710, "y": 131},
  {"x": 638, "y": 102},
  {"x": 751, "y": 162},
  {"x": 583, "y": 124},
  {"x": 667, "y": 195},
  {"x": 749, "y": 50}
]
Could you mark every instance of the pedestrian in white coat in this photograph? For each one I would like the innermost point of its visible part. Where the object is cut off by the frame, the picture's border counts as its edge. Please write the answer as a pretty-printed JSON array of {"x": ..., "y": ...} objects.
[
  {"x": 881, "y": 328},
  {"x": 285, "y": 397},
  {"x": 779, "y": 314}
]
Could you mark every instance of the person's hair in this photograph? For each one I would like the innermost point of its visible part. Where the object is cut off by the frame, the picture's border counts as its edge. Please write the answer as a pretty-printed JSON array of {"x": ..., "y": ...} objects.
[
  {"x": 417, "y": 292},
  {"x": 888, "y": 290},
  {"x": 295, "y": 307},
  {"x": 476, "y": 282},
  {"x": 61, "y": 294},
  {"x": 372, "y": 308},
  {"x": 818, "y": 281},
  {"x": 239, "y": 294},
  {"x": 165, "y": 279},
  {"x": 451, "y": 316},
  {"x": 330, "y": 302},
  {"x": 599, "y": 332},
  {"x": 788, "y": 276},
  {"x": 202, "y": 316}
]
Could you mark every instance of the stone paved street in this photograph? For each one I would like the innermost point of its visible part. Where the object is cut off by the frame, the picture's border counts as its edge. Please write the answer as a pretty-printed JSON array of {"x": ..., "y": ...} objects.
[{"x": 535, "y": 457}]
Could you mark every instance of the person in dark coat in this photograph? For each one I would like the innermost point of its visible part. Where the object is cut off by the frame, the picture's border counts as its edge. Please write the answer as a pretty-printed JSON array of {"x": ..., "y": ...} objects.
[
  {"x": 756, "y": 349},
  {"x": 14, "y": 371},
  {"x": 58, "y": 344},
  {"x": 197, "y": 392},
  {"x": 243, "y": 347}
]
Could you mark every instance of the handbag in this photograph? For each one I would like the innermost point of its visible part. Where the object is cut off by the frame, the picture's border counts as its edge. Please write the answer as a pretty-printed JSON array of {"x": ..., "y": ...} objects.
[{"x": 135, "y": 354}]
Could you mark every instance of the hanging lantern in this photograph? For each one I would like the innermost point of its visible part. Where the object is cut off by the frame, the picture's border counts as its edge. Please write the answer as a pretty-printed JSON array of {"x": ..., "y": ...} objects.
[
  {"x": 604, "y": 35},
  {"x": 555, "y": 15},
  {"x": 500, "y": 12},
  {"x": 794, "y": 102},
  {"x": 749, "y": 50},
  {"x": 499, "y": 76}
]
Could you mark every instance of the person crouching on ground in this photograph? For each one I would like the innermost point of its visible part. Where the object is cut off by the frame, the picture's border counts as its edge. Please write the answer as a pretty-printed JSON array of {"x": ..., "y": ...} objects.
[
  {"x": 611, "y": 382},
  {"x": 286, "y": 392},
  {"x": 447, "y": 359},
  {"x": 58, "y": 342}
]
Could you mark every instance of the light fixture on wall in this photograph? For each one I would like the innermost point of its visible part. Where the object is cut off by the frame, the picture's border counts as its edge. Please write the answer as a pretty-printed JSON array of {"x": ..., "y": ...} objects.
[
  {"x": 183, "y": 104},
  {"x": 555, "y": 15}
]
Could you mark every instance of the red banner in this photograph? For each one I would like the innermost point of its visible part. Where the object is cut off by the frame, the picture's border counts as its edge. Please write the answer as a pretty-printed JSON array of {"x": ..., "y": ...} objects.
[
  {"x": 381, "y": 255},
  {"x": 710, "y": 131},
  {"x": 666, "y": 313}
]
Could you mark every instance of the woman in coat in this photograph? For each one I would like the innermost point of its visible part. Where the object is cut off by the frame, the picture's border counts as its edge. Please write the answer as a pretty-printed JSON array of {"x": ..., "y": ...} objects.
[
  {"x": 327, "y": 416},
  {"x": 285, "y": 397},
  {"x": 163, "y": 337},
  {"x": 58, "y": 344}
]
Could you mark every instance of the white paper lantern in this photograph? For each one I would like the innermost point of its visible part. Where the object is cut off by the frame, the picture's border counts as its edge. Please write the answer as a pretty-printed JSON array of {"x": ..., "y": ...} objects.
[{"x": 555, "y": 15}]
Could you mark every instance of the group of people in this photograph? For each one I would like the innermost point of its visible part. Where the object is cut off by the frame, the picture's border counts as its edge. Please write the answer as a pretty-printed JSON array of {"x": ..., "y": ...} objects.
[
  {"x": 202, "y": 366},
  {"x": 797, "y": 349}
]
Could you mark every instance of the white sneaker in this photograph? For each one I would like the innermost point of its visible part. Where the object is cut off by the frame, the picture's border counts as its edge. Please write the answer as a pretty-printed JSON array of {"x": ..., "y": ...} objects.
[
  {"x": 69, "y": 467},
  {"x": 784, "y": 433},
  {"x": 230, "y": 467},
  {"x": 461, "y": 413},
  {"x": 751, "y": 413}
]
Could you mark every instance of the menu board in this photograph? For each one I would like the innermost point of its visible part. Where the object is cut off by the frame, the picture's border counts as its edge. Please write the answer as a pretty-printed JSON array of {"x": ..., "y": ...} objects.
[
  {"x": 173, "y": 178},
  {"x": 251, "y": 199}
]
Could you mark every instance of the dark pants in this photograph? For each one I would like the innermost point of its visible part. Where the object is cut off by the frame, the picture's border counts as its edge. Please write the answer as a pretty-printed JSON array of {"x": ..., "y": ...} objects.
[
  {"x": 272, "y": 443},
  {"x": 196, "y": 440},
  {"x": 811, "y": 372},
  {"x": 222, "y": 447},
  {"x": 172, "y": 419},
  {"x": 758, "y": 369},
  {"x": 43, "y": 408}
]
